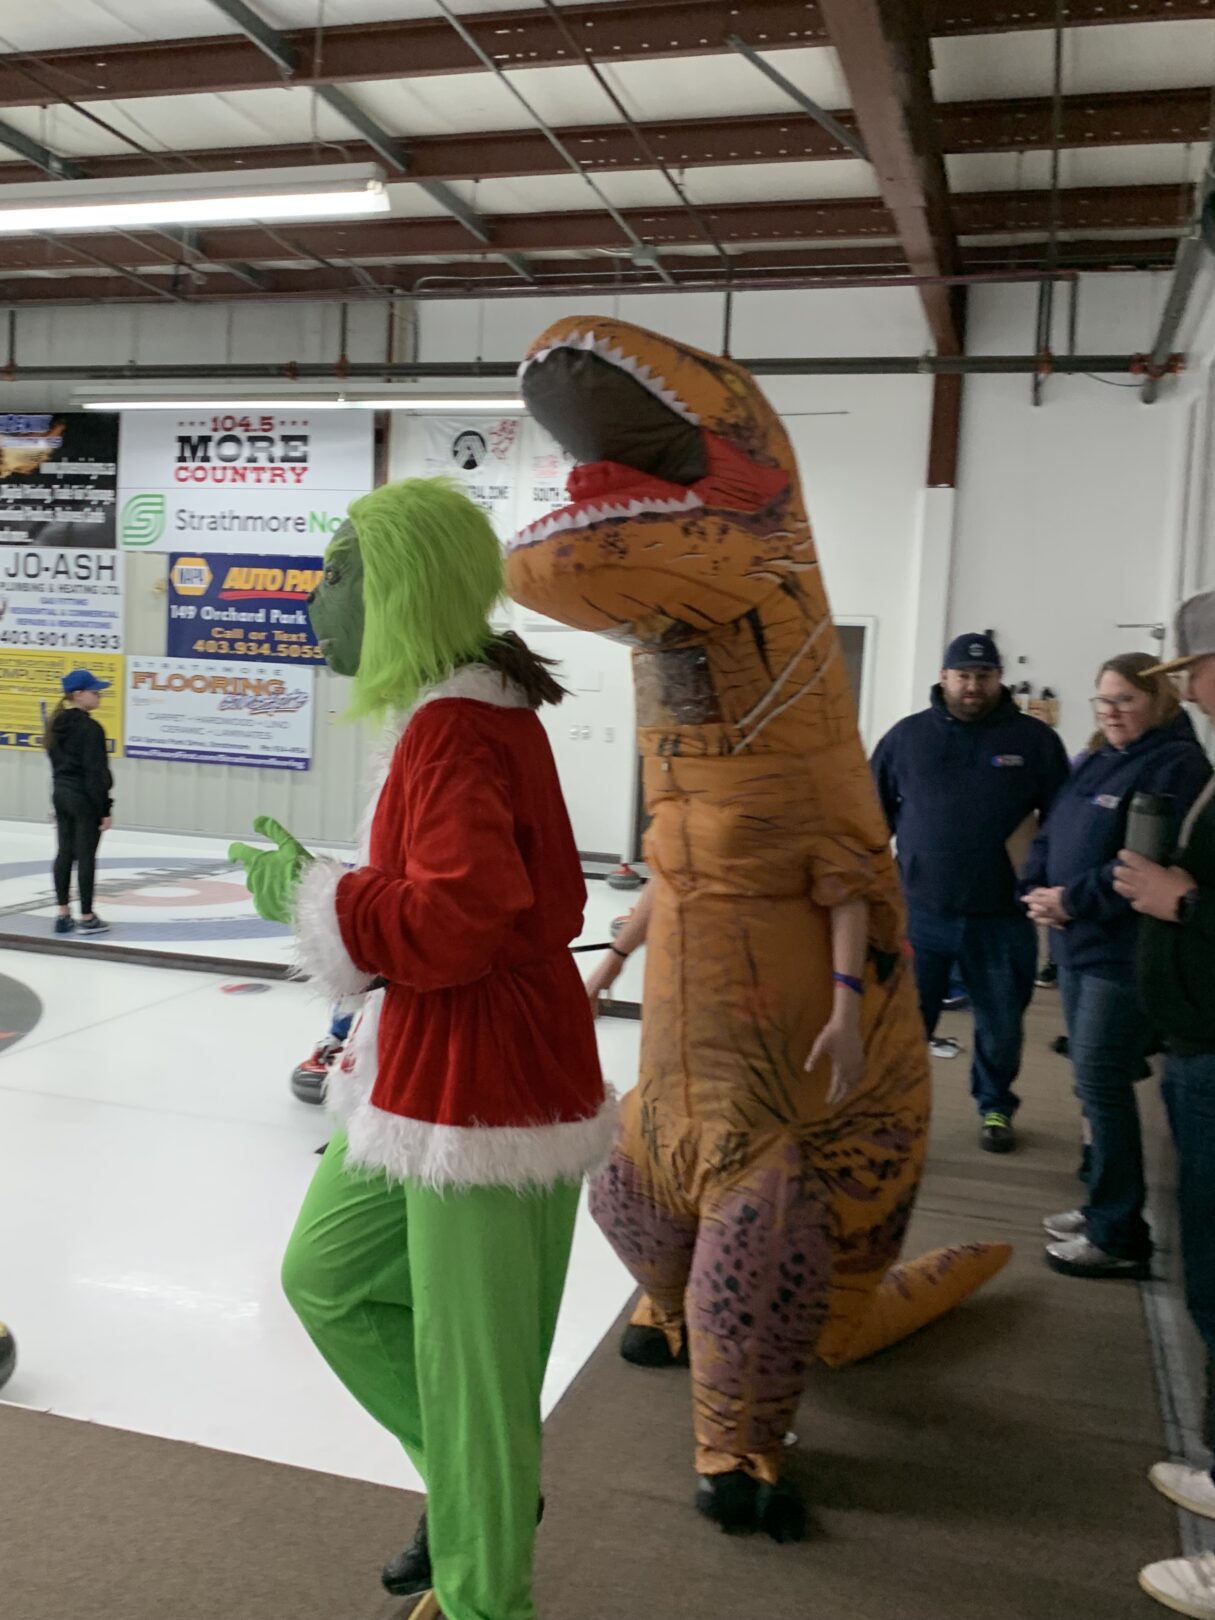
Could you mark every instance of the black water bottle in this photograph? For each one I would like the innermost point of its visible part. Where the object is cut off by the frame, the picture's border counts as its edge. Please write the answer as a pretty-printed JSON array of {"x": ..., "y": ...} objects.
[{"x": 1149, "y": 827}]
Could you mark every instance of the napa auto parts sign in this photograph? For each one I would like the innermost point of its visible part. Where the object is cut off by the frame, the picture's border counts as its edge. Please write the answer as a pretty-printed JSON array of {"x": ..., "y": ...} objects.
[
  {"x": 242, "y": 607},
  {"x": 275, "y": 483}
]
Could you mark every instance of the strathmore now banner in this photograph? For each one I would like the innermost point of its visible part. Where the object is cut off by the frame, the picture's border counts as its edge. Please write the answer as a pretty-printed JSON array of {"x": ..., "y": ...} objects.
[{"x": 275, "y": 483}]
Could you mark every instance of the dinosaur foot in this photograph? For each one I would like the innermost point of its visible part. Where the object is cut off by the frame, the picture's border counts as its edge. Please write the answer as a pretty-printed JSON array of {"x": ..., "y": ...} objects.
[{"x": 742, "y": 1505}]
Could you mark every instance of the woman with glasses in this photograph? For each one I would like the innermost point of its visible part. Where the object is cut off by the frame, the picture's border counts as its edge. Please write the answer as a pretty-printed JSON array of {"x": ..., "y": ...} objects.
[{"x": 1143, "y": 744}]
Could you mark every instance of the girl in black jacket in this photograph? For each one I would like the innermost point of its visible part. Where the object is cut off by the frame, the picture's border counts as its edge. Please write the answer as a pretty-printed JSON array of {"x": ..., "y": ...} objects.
[{"x": 81, "y": 789}]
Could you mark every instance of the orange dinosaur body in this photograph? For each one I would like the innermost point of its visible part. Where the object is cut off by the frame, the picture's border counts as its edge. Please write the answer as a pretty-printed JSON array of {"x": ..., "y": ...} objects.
[{"x": 758, "y": 1220}]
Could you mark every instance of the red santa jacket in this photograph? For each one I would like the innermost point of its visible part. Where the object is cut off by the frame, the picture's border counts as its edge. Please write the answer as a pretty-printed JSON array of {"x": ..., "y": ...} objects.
[{"x": 477, "y": 1065}]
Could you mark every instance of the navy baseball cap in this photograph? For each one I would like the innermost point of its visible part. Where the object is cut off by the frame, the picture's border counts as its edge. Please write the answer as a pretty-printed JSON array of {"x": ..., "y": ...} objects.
[
  {"x": 83, "y": 680},
  {"x": 973, "y": 651}
]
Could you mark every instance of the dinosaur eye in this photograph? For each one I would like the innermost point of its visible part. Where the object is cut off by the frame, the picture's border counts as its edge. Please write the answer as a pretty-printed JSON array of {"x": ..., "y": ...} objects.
[{"x": 332, "y": 576}]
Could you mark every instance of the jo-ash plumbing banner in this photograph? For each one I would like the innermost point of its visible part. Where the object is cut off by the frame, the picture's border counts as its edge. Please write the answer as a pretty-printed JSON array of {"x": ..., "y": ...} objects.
[{"x": 276, "y": 482}]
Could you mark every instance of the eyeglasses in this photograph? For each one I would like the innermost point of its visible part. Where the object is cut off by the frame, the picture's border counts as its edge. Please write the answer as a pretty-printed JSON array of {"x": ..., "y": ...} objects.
[{"x": 1119, "y": 705}]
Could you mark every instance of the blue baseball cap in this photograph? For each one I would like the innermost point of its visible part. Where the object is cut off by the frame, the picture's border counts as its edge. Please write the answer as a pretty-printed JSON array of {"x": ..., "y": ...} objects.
[
  {"x": 975, "y": 650},
  {"x": 83, "y": 680}
]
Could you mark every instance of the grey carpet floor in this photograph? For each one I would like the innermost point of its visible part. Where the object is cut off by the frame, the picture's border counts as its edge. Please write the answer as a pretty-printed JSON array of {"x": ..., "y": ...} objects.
[{"x": 990, "y": 1469}]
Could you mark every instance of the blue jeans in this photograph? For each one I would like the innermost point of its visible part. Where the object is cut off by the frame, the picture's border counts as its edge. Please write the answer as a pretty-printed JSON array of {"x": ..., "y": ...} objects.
[
  {"x": 1108, "y": 1038},
  {"x": 1189, "y": 1095},
  {"x": 997, "y": 958}
]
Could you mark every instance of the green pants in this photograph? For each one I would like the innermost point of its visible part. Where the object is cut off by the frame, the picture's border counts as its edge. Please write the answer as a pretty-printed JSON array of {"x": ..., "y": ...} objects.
[{"x": 437, "y": 1311}]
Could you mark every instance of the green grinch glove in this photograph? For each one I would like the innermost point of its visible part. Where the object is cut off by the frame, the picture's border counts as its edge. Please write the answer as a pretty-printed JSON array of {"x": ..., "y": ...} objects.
[{"x": 272, "y": 875}]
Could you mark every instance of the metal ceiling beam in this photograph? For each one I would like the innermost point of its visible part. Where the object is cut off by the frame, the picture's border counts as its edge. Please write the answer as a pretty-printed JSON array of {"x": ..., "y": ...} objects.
[
  {"x": 618, "y": 30},
  {"x": 1135, "y": 118},
  {"x": 841, "y": 134},
  {"x": 886, "y": 63},
  {"x": 998, "y": 17},
  {"x": 1146, "y": 209},
  {"x": 479, "y": 278},
  {"x": 896, "y": 365},
  {"x": 278, "y": 48}
]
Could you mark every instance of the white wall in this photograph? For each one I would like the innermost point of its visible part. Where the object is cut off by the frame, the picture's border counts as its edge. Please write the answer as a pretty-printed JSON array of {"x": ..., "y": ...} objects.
[{"x": 1069, "y": 515}]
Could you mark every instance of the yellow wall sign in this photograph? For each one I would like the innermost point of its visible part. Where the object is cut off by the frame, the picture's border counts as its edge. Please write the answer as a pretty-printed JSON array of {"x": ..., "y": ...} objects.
[{"x": 30, "y": 688}]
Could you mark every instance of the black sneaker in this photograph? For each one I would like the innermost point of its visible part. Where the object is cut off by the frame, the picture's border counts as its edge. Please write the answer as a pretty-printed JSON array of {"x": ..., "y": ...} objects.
[
  {"x": 996, "y": 1133},
  {"x": 1048, "y": 977},
  {"x": 64, "y": 925},
  {"x": 93, "y": 925},
  {"x": 409, "y": 1574}
]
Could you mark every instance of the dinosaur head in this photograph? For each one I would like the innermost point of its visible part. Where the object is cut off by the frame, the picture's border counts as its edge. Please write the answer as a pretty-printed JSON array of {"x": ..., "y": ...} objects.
[{"x": 685, "y": 512}]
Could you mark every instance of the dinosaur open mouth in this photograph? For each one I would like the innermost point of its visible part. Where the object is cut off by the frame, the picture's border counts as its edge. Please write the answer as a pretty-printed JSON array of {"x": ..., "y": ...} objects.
[
  {"x": 642, "y": 453},
  {"x": 639, "y": 447}
]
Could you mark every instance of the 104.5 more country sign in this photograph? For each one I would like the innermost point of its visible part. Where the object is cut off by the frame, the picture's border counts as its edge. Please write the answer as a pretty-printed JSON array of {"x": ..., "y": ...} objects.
[
  {"x": 242, "y": 608},
  {"x": 277, "y": 481}
]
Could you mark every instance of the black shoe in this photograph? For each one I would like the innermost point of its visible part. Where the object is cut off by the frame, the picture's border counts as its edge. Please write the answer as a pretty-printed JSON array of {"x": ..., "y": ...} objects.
[
  {"x": 742, "y": 1505},
  {"x": 93, "y": 925},
  {"x": 996, "y": 1133},
  {"x": 64, "y": 925},
  {"x": 1061, "y": 1045},
  {"x": 409, "y": 1574},
  {"x": 1048, "y": 977},
  {"x": 648, "y": 1347}
]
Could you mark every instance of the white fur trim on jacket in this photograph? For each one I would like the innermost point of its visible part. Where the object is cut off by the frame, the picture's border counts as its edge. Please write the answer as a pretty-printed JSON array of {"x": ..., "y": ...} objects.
[
  {"x": 535, "y": 1156},
  {"x": 319, "y": 951}
]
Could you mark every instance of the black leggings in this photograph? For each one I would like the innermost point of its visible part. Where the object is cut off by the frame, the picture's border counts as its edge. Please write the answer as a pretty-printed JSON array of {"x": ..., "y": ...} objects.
[{"x": 79, "y": 834}]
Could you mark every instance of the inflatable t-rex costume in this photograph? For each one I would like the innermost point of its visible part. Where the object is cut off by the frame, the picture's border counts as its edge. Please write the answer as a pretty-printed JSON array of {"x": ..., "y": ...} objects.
[{"x": 758, "y": 1219}]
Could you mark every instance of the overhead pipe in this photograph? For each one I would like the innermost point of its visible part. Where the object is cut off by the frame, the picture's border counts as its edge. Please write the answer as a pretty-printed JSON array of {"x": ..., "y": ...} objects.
[{"x": 927, "y": 365}]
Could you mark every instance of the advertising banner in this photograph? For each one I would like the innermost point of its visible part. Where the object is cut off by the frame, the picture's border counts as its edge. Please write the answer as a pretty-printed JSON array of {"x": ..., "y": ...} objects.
[
  {"x": 480, "y": 452},
  {"x": 252, "y": 608},
  {"x": 53, "y": 597},
  {"x": 219, "y": 714},
  {"x": 30, "y": 689},
  {"x": 58, "y": 478},
  {"x": 544, "y": 468},
  {"x": 277, "y": 482}
]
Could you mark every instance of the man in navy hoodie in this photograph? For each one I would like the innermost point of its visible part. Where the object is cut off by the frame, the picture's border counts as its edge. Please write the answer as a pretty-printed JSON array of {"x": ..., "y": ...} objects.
[{"x": 957, "y": 782}]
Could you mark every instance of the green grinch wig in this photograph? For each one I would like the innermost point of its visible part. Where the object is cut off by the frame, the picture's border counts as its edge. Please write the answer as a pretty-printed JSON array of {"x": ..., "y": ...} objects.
[{"x": 432, "y": 574}]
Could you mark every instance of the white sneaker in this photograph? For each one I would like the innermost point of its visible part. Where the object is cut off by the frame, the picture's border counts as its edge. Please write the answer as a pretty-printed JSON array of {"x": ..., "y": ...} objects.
[
  {"x": 944, "y": 1046},
  {"x": 1069, "y": 1225},
  {"x": 1185, "y": 1585},
  {"x": 1191, "y": 1488}
]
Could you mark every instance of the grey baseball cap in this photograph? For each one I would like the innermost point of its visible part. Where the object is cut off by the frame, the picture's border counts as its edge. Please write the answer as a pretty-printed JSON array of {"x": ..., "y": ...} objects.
[{"x": 1195, "y": 626}]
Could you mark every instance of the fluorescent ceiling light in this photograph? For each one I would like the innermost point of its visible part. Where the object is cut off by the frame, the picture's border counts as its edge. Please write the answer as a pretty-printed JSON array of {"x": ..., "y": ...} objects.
[
  {"x": 468, "y": 404},
  {"x": 328, "y": 191}
]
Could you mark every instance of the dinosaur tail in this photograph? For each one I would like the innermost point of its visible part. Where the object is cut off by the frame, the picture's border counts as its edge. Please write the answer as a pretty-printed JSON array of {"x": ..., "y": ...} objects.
[{"x": 909, "y": 1297}]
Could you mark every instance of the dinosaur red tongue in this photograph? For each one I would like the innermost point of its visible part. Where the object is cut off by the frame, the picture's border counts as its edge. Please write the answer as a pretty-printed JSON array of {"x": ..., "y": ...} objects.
[{"x": 593, "y": 480}]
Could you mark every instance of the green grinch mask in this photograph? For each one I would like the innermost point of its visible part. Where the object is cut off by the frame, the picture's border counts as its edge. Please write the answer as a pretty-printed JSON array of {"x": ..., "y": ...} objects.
[{"x": 336, "y": 606}]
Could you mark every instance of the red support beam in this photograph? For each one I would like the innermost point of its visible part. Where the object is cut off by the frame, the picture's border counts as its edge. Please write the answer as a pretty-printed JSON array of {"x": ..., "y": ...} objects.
[
  {"x": 871, "y": 266},
  {"x": 1120, "y": 119},
  {"x": 615, "y": 30},
  {"x": 886, "y": 63},
  {"x": 1001, "y": 17},
  {"x": 1148, "y": 209}
]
